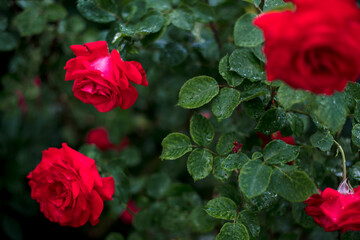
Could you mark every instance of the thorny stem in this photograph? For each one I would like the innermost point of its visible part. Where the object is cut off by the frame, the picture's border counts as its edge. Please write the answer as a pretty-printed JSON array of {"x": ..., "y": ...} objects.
[{"x": 343, "y": 159}]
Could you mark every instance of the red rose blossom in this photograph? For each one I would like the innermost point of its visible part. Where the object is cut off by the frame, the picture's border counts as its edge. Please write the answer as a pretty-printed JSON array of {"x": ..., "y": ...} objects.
[
  {"x": 68, "y": 187},
  {"x": 100, "y": 137},
  {"x": 103, "y": 80},
  {"x": 127, "y": 216},
  {"x": 277, "y": 136},
  {"x": 334, "y": 210},
  {"x": 314, "y": 48}
]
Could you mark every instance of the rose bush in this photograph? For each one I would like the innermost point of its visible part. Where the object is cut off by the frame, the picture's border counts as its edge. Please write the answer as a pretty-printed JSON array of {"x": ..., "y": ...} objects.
[
  {"x": 68, "y": 187},
  {"x": 102, "y": 79},
  {"x": 315, "y": 47}
]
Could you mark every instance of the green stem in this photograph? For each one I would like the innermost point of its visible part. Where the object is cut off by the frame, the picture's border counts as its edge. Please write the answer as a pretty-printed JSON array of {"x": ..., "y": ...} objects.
[{"x": 343, "y": 159}]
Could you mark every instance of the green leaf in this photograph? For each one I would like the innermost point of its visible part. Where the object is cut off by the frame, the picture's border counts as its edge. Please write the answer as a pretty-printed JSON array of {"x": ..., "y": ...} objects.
[
  {"x": 258, "y": 52},
  {"x": 301, "y": 217},
  {"x": 273, "y": 4},
  {"x": 244, "y": 62},
  {"x": 3, "y": 22},
  {"x": 203, "y": 12},
  {"x": 287, "y": 96},
  {"x": 296, "y": 123},
  {"x": 355, "y": 137},
  {"x": 225, "y": 143},
  {"x": 322, "y": 140},
  {"x": 91, "y": 10},
  {"x": 255, "y": 2},
  {"x": 257, "y": 155},
  {"x": 222, "y": 208},
  {"x": 201, "y": 130},
  {"x": 357, "y": 110},
  {"x": 355, "y": 171},
  {"x": 234, "y": 161},
  {"x": 278, "y": 151},
  {"x": 219, "y": 172},
  {"x": 175, "y": 145},
  {"x": 246, "y": 34},
  {"x": 175, "y": 220},
  {"x": 225, "y": 103},
  {"x": 198, "y": 91},
  {"x": 329, "y": 111},
  {"x": 131, "y": 156},
  {"x": 233, "y": 231},
  {"x": 182, "y": 18},
  {"x": 251, "y": 221},
  {"x": 159, "y": 5},
  {"x": 151, "y": 23},
  {"x": 293, "y": 185},
  {"x": 114, "y": 236},
  {"x": 30, "y": 22},
  {"x": 142, "y": 220},
  {"x": 254, "y": 108},
  {"x": 265, "y": 200},
  {"x": 200, "y": 163},
  {"x": 173, "y": 54},
  {"x": 8, "y": 41},
  {"x": 55, "y": 12},
  {"x": 232, "y": 78},
  {"x": 271, "y": 121},
  {"x": 254, "y": 178},
  {"x": 157, "y": 185},
  {"x": 200, "y": 221},
  {"x": 253, "y": 91}
]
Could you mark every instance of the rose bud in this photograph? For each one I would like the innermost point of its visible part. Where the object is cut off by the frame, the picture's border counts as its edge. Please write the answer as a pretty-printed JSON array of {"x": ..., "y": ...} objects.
[
  {"x": 100, "y": 137},
  {"x": 68, "y": 187},
  {"x": 316, "y": 47},
  {"x": 237, "y": 147},
  {"x": 127, "y": 216},
  {"x": 336, "y": 210},
  {"x": 102, "y": 79}
]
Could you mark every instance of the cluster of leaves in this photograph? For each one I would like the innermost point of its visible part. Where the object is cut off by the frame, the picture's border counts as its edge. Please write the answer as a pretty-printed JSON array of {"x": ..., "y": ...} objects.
[{"x": 245, "y": 195}]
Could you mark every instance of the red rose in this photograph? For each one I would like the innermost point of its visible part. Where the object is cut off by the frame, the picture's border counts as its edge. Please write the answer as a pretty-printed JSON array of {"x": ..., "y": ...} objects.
[
  {"x": 335, "y": 211},
  {"x": 316, "y": 47},
  {"x": 127, "y": 215},
  {"x": 68, "y": 187},
  {"x": 99, "y": 137},
  {"x": 277, "y": 136},
  {"x": 103, "y": 80}
]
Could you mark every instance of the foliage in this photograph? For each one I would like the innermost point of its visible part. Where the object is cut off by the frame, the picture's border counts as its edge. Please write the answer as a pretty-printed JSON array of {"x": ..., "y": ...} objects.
[{"x": 207, "y": 89}]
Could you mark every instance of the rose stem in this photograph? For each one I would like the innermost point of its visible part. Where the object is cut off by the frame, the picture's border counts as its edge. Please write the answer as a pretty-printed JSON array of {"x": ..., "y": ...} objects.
[{"x": 343, "y": 159}]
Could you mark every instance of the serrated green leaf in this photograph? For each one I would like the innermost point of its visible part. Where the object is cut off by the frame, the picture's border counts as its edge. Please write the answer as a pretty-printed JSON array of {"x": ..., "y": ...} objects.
[
  {"x": 92, "y": 11},
  {"x": 198, "y": 91},
  {"x": 278, "y": 151},
  {"x": 182, "y": 18},
  {"x": 322, "y": 140},
  {"x": 271, "y": 121},
  {"x": 219, "y": 172},
  {"x": 287, "y": 96},
  {"x": 200, "y": 163},
  {"x": 244, "y": 62},
  {"x": 258, "y": 52},
  {"x": 159, "y": 5},
  {"x": 225, "y": 143},
  {"x": 357, "y": 110},
  {"x": 246, "y": 34},
  {"x": 251, "y": 221},
  {"x": 265, "y": 200},
  {"x": 252, "y": 92},
  {"x": 293, "y": 185},
  {"x": 225, "y": 103},
  {"x": 296, "y": 124},
  {"x": 355, "y": 135},
  {"x": 254, "y": 178},
  {"x": 151, "y": 23},
  {"x": 329, "y": 111},
  {"x": 233, "y": 231},
  {"x": 257, "y": 155},
  {"x": 222, "y": 208},
  {"x": 232, "y": 78},
  {"x": 30, "y": 22},
  {"x": 254, "y": 108},
  {"x": 200, "y": 221},
  {"x": 201, "y": 130},
  {"x": 175, "y": 145},
  {"x": 234, "y": 161}
]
